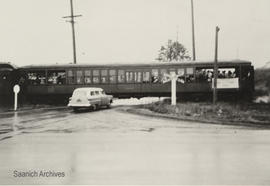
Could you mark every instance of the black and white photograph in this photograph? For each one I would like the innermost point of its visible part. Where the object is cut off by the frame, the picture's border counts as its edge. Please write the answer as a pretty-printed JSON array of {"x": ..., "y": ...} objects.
[{"x": 135, "y": 92}]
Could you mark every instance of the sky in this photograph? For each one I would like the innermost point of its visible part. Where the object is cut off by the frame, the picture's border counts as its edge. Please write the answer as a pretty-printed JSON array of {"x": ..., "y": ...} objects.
[{"x": 113, "y": 31}]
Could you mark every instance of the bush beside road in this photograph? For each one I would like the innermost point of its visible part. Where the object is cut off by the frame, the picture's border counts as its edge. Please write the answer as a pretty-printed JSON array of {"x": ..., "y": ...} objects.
[
  {"x": 262, "y": 85},
  {"x": 251, "y": 114}
]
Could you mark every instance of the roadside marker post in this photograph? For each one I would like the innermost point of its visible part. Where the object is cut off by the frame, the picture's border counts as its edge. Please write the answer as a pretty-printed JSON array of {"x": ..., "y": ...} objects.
[
  {"x": 16, "y": 90},
  {"x": 173, "y": 78}
]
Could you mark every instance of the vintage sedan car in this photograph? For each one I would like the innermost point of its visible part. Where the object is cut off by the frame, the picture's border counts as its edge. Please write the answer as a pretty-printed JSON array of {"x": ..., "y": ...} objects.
[{"x": 89, "y": 98}]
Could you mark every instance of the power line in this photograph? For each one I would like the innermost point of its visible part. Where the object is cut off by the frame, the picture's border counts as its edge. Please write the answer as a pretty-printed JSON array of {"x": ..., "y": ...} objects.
[{"x": 72, "y": 16}]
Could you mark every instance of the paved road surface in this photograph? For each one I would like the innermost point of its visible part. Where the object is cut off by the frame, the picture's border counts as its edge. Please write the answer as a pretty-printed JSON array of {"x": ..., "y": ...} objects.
[{"x": 114, "y": 147}]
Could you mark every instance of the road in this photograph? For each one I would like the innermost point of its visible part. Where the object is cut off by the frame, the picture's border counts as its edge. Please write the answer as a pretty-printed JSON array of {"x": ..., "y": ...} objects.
[{"x": 114, "y": 147}]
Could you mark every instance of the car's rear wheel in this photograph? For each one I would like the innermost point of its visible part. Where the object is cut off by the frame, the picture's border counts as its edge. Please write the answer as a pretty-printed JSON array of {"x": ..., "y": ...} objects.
[
  {"x": 75, "y": 109},
  {"x": 94, "y": 107}
]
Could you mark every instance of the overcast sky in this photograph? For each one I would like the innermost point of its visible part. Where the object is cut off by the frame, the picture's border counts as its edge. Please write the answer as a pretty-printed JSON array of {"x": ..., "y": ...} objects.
[{"x": 110, "y": 31}]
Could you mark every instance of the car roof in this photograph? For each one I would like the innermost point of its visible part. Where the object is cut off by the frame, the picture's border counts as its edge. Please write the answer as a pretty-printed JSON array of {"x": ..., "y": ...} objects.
[{"x": 88, "y": 89}]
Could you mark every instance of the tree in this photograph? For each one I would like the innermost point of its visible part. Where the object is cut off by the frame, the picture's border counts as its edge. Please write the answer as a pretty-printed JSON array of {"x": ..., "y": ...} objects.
[{"x": 174, "y": 51}]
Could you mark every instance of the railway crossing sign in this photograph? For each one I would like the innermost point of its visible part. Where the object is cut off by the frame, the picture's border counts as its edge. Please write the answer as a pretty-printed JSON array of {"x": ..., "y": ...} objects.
[
  {"x": 173, "y": 78},
  {"x": 16, "y": 90}
]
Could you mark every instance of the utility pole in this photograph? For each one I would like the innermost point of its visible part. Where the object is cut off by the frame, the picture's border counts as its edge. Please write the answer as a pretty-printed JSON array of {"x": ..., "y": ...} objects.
[
  {"x": 215, "y": 67},
  {"x": 72, "y": 16},
  {"x": 193, "y": 34}
]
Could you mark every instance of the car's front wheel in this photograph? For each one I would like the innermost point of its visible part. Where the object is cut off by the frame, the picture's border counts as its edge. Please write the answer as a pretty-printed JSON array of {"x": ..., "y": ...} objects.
[{"x": 108, "y": 105}]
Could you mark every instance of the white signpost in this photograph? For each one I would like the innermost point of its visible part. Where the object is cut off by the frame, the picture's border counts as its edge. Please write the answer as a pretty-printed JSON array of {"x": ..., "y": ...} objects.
[
  {"x": 173, "y": 78},
  {"x": 16, "y": 90}
]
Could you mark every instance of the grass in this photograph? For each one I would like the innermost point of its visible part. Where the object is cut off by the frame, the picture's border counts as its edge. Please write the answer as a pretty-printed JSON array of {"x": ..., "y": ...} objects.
[
  {"x": 262, "y": 82},
  {"x": 222, "y": 112}
]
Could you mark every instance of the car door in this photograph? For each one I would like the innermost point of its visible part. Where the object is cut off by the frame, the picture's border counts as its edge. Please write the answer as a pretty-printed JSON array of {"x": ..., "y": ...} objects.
[
  {"x": 98, "y": 98},
  {"x": 104, "y": 100},
  {"x": 93, "y": 98}
]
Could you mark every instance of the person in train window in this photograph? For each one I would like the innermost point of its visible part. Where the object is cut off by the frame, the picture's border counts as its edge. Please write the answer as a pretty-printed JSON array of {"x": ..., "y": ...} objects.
[
  {"x": 37, "y": 81},
  {"x": 59, "y": 79},
  {"x": 209, "y": 76},
  {"x": 230, "y": 74}
]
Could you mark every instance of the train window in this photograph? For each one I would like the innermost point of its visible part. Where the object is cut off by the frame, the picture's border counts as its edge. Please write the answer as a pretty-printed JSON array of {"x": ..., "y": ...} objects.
[
  {"x": 137, "y": 77},
  {"x": 207, "y": 74},
  {"x": 190, "y": 75},
  {"x": 189, "y": 70},
  {"x": 163, "y": 71},
  {"x": 129, "y": 77},
  {"x": 154, "y": 77},
  {"x": 104, "y": 72},
  {"x": 71, "y": 77},
  {"x": 204, "y": 74},
  {"x": 103, "y": 79},
  {"x": 87, "y": 73},
  {"x": 37, "y": 78},
  {"x": 121, "y": 76},
  {"x": 56, "y": 77},
  {"x": 95, "y": 72},
  {"x": 181, "y": 73},
  {"x": 227, "y": 73},
  {"x": 246, "y": 73},
  {"x": 96, "y": 78},
  {"x": 164, "y": 78},
  {"x": 112, "y": 76},
  {"x": 104, "y": 76},
  {"x": 87, "y": 76},
  {"x": 79, "y": 77},
  {"x": 172, "y": 71},
  {"x": 146, "y": 77}
]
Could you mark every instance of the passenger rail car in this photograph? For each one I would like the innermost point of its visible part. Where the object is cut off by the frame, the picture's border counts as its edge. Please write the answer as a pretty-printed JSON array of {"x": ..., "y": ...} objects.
[
  {"x": 138, "y": 80},
  {"x": 7, "y": 80}
]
